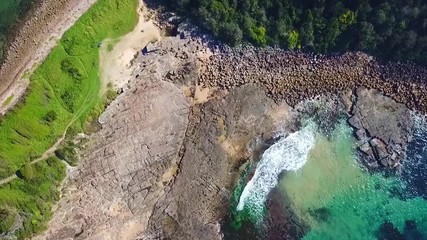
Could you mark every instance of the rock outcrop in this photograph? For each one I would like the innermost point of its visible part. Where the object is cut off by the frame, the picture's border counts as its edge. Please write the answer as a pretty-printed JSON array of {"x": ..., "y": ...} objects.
[
  {"x": 221, "y": 136},
  {"x": 127, "y": 167},
  {"x": 383, "y": 127},
  {"x": 164, "y": 163}
]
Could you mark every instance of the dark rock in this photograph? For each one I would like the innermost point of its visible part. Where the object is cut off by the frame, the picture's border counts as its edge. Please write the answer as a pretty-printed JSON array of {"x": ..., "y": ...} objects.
[
  {"x": 366, "y": 149},
  {"x": 386, "y": 121},
  {"x": 361, "y": 135},
  {"x": 384, "y": 162},
  {"x": 379, "y": 148}
]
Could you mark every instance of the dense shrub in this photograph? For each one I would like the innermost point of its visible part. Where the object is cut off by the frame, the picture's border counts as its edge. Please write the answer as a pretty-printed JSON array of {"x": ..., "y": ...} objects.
[
  {"x": 391, "y": 29},
  {"x": 67, "y": 153},
  {"x": 7, "y": 218},
  {"x": 27, "y": 172}
]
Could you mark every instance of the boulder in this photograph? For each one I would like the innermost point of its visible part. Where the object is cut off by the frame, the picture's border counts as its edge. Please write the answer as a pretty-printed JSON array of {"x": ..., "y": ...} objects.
[
  {"x": 379, "y": 148},
  {"x": 366, "y": 149},
  {"x": 385, "y": 123},
  {"x": 361, "y": 135}
]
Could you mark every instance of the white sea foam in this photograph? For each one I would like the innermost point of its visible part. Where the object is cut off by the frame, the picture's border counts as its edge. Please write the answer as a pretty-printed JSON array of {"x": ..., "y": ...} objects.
[{"x": 289, "y": 153}]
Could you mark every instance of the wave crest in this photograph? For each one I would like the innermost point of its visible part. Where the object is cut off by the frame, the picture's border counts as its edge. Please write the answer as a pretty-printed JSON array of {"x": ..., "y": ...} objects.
[{"x": 288, "y": 154}]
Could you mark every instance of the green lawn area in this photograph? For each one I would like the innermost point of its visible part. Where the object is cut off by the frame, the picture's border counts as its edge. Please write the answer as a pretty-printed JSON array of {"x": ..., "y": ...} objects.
[
  {"x": 66, "y": 83},
  {"x": 63, "y": 90}
]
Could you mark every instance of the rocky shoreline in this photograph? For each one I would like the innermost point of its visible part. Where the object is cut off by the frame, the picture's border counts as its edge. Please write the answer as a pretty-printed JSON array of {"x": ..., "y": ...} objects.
[
  {"x": 294, "y": 76},
  {"x": 175, "y": 140},
  {"x": 379, "y": 98}
]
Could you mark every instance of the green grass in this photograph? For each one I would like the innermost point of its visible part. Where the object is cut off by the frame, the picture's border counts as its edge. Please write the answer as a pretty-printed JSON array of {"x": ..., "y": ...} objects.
[
  {"x": 32, "y": 198},
  {"x": 66, "y": 83},
  {"x": 8, "y": 100},
  {"x": 63, "y": 91}
]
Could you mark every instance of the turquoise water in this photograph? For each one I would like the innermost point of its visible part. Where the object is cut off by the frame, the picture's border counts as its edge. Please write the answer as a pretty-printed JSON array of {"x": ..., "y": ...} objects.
[
  {"x": 330, "y": 196},
  {"x": 10, "y": 11}
]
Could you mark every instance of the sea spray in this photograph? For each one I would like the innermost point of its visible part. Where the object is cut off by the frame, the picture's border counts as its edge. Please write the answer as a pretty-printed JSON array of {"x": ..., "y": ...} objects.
[{"x": 288, "y": 154}]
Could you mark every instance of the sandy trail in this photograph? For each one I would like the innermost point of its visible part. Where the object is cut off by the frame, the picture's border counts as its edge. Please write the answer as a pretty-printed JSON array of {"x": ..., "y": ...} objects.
[{"x": 116, "y": 63}]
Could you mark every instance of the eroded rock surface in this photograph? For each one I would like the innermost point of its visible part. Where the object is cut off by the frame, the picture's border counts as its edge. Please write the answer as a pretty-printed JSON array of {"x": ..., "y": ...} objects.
[
  {"x": 128, "y": 166},
  {"x": 220, "y": 134},
  {"x": 383, "y": 127}
]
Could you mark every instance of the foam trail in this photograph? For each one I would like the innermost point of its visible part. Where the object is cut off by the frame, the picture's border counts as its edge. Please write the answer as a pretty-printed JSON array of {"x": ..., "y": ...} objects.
[{"x": 289, "y": 154}]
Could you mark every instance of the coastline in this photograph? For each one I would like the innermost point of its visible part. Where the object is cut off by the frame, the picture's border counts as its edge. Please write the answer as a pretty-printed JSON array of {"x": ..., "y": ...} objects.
[
  {"x": 118, "y": 208},
  {"x": 32, "y": 40},
  {"x": 18, "y": 23},
  {"x": 142, "y": 160}
]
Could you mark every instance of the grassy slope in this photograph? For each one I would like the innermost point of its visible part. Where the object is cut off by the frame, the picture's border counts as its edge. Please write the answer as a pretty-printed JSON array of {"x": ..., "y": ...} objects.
[
  {"x": 24, "y": 134},
  {"x": 68, "y": 84}
]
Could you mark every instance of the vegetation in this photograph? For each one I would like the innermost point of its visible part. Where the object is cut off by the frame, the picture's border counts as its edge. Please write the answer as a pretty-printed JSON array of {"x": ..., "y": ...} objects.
[
  {"x": 68, "y": 153},
  {"x": 26, "y": 172},
  {"x": 31, "y": 197},
  {"x": 50, "y": 116},
  {"x": 111, "y": 94},
  {"x": 390, "y": 29},
  {"x": 63, "y": 94},
  {"x": 65, "y": 88},
  {"x": 7, "y": 219},
  {"x": 8, "y": 100}
]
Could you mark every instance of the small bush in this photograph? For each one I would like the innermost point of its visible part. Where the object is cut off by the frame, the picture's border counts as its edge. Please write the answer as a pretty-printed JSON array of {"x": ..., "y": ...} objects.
[
  {"x": 68, "y": 98},
  {"x": 27, "y": 172},
  {"x": 67, "y": 153},
  {"x": 50, "y": 116},
  {"x": 68, "y": 67},
  {"x": 111, "y": 95},
  {"x": 7, "y": 219}
]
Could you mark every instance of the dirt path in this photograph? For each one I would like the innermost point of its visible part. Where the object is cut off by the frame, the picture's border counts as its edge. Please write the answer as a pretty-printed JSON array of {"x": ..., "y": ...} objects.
[
  {"x": 116, "y": 55},
  {"x": 33, "y": 42},
  {"x": 51, "y": 151},
  {"x": 45, "y": 156}
]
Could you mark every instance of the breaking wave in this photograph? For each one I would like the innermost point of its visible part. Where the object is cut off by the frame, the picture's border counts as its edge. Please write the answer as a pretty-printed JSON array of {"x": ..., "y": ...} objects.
[{"x": 288, "y": 154}]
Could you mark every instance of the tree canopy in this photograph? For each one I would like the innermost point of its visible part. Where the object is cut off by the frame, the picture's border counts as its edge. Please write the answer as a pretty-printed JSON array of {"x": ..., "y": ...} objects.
[{"x": 390, "y": 29}]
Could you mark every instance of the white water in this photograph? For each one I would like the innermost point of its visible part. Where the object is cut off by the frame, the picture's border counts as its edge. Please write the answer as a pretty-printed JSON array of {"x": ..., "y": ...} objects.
[{"x": 289, "y": 153}]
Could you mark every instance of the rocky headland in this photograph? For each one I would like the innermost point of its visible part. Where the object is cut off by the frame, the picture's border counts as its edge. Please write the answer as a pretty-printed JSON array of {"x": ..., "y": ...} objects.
[{"x": 175, "y": 140}]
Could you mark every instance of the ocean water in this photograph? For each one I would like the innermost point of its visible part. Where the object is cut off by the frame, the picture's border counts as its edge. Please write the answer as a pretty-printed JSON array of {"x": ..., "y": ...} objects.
[
  {"x": 327, "y": 195},
  {"x": 295, "y": 147},
  {"x": 10, "y": 12}
]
